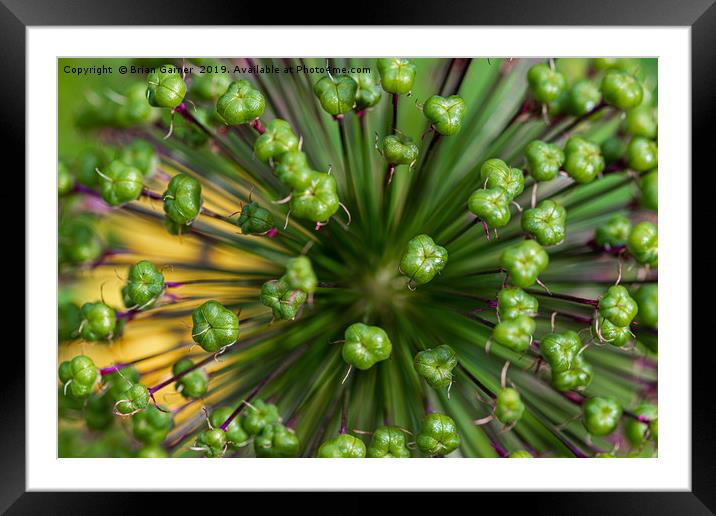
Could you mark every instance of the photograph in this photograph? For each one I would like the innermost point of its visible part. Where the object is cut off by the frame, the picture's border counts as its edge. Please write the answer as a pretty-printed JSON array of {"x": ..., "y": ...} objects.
[{"x": 357, "y": 257}]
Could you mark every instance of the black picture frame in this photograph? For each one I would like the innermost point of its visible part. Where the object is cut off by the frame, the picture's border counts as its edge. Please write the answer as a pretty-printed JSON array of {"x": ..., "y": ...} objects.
[{"x": 699, "y": 15}]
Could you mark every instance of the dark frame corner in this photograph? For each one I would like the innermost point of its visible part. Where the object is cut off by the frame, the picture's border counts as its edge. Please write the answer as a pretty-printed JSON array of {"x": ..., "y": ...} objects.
[{"x": 700, "y": 15}]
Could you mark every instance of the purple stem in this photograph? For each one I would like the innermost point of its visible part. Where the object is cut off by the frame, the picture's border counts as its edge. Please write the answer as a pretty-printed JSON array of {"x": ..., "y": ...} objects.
[
  {"x": 113, "y": 368},
  {"x": 566, "y": 297},
  {"x": 501, "y": 451},
  {"x": 256, "y": 124}
]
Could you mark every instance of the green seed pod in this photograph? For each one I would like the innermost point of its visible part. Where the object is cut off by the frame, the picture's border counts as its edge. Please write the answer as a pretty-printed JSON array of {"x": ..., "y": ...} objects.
[
  {"x": 78, "y": 376},
  {"x": 89, "y": 161},
  {"x": 165, "y": 87},
  {"x": 397, "y": 74},
  {"x": 513, "y": 302},
  {"x": 490, "y": 205},
  {"x": 342, "y": 447},
  {"x": 544, "y": 160},
  {"x": 209, "y": 86},
  {"x": 318, "y": 201},
  {"x": 69, "y": 318},
  {"x": 98, "y": 321},
  {"x": 546, "y": 222},
  {"x": 65, "y": 180},
  {"x": 619, "y": 63},
  {"x": 577, "y": 378},
  {"x": 515, "y": 334},
  {"x": 193, "y": 384},
  {"x": 601, "y": 415},
  {"x": 423, "y": 259},
  {"x": 445, "y": 113},
  {"x": 213, "y": 442},
  {"x": 281, "y": 299},
  {"x": 509, "y": 406},
  {"x": 336, "y": 94},
  {"x": 98, "y": 413},
  {"x": 78, "y": 242},
  {"x": 436, "y": 365},
  {"x": 641, "y": 121},
  {"x": 618, "y": 306},
  {"x": 175, "y": 229},
  {"x": 643, "y": 243},
  {"x": 559, "y": 105},
  {"x": 151, "y": 426},
  {"x": 583, "y": 97},
  {"x": 388, "y": 442},
  {"x": 215, "y": 326},
  {"x": 524, "y": 262},
  {"x": 495, "y": 173},
  {"x": 145, "y": 284},
  {"x": 611, "y": 333},
  {"x": 654, "y": 431},
  {"x": 299, "y": 274},
  {"x": 254, "y": 220},
  {"x": 521, "y": 454},
  {"x": 399, "y": 149},
  {"x": 649, "y": 184},
  {"x": 236, "y": 436},
  {"x": 613, "y": 149},
  {"x": 642, "y": 154},
  {"x": 560, "y": 350},
  {"x": 134, "y": 109},
  {"x": 647, "y": 297},
  {"x": 293, "y": 170},
  {"x": 182, "y": 200},
  {"x": 277, "y": 139},
  {"x": 120, "y": 183},
  {"x": 635, "y": 431},
  {"x": 276, "y": 441},
  {"x": 573, "y": 68},
  {"x": 545, "y": 84},
  {"x": 369, "y": 92},
  {"x": 241, "y": 103},
  {"x": 152, "y": 452},
  {"x": 258, "y": 416},
  {"x": 65, "y": 371},
  {"x": 621, "y": 90},
  {"x": 365, "y": 345},
  {"x": 584, "y": 159},
  {"x": 614, "y": 232},
  {"x": 133, "y": 400},
  {"x": 142, "y": 156},
  {"x": 438, "y": 435},
  {"x": 118, "y": 382}
]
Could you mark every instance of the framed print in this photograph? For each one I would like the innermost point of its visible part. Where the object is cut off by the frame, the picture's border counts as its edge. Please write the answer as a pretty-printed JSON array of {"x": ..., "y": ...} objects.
[{"x": 270, "y": 245}]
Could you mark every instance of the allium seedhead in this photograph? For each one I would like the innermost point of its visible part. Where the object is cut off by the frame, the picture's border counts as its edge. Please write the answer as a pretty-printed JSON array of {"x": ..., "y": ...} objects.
[{"x": 280, "y": 241}]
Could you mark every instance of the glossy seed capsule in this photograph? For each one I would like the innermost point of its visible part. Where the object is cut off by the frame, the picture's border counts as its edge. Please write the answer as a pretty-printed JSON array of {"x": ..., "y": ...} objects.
[
  {"x": 344, "y": 446},
  {"x": 546, "y": 222},
  {"x": 337, "y": 94},
  {"x": 215, "y": 326},
  {"x": 436, "y": 365},
  {"x": 365, "y": 345},
  {"x": 397, "y": 74},
  {"x": 438, "y": 435},
  {"x": 423, "y": 259},
  {"x": 524, "y": 262},
  {"x": 445, "y": 113},
  {"x": 241, "y": 103}
]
